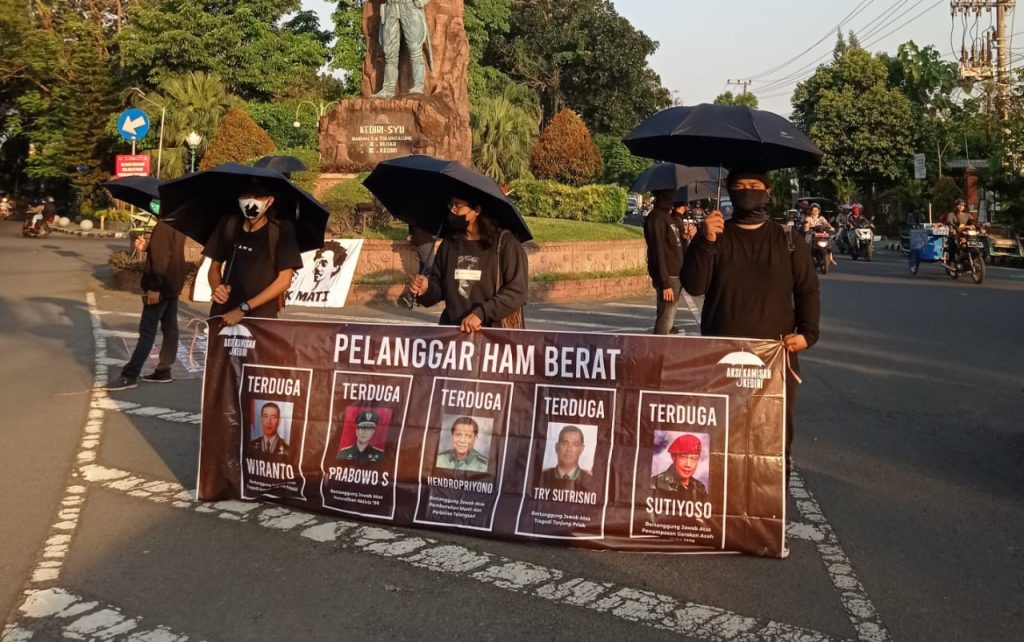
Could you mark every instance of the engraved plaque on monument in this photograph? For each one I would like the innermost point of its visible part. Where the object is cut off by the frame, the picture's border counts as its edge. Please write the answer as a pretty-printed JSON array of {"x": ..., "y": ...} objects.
[{"x": 410, "y": 113}]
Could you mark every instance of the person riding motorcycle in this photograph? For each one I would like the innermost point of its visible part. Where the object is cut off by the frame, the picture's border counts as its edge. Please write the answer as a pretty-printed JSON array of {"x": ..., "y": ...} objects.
[
  {"x": 814, "y": 219},
  {"x": 956, "y": 220},
  {"x": 6, "y": 208}
]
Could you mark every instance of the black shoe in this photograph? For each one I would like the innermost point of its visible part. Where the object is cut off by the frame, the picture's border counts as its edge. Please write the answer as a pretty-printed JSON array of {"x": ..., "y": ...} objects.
[
  {"x": 121, "y": 382},
  {"x": 158, "y": 376}
]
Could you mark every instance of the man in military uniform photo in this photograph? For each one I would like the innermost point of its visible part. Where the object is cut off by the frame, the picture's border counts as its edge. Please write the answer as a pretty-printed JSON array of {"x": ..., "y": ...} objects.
[
  {"x": 567, "y": 474},
  {"x": 270, "y": 444},
  {"x": 678, "y": 478},
  {"x": 366, "y": 427},
  {"x": 462, "y": 455}
]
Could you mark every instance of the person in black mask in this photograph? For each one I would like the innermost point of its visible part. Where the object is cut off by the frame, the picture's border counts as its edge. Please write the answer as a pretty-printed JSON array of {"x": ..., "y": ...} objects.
[
  {"x": 253, "y": 258},
  {"x": 757, "y": 278},
  {"x": 479, "y": 271}
]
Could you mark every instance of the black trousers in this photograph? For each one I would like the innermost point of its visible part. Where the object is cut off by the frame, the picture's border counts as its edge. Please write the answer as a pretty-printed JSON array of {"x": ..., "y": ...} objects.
[
  {"x": 792, "y": 388},
  {"x": 164, "y": 313}
]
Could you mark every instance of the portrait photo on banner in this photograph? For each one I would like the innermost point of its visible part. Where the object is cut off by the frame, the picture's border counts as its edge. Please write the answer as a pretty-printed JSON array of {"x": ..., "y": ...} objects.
[
  {"x": 270, "y": 417},
  {"x": 464, "y": 443},
  {"x": 555, "y": 434},
  {"x": 662, "y": 461},
  {"x": 370, "y": 418}
]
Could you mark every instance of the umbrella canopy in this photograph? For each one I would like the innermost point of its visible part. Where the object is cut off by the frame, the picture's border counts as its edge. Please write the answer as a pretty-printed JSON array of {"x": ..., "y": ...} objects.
[
  {"x": 722, "y": 136},
  {"x": 283, "y": 164},
  {"x": 675, "y": 177},
  {"x": 194, "y": 204},
  {"x": 416, "y": 189},
  {"x": 140, "y": 191}
]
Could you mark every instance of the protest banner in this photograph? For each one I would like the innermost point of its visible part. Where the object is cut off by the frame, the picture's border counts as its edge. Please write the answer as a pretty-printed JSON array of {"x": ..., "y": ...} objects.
[{"x": 626, "y": 442}]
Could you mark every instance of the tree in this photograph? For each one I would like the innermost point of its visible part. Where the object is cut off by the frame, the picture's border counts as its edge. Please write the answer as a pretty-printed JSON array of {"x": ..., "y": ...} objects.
[
  {"x": 581, "y": 55},
  {"x": 565, "y": 152},
  {"x": 620, "y": 166},
  {"x": 238, "y": 139},
  {"x": 858, "y": 121},
  {"x": 503, "y": 136},
  {"x": 944, "y": 194},
  {"x": 349, "y": 44},
  {"x": 243, "y": 41},
  {"x": 728, "y": 98}
]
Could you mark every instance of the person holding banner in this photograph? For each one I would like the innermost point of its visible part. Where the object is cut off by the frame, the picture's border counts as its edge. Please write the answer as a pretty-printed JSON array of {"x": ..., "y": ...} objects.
[
  {"x": 479, "y": 271},
  {"x": 757, "y": 278}
]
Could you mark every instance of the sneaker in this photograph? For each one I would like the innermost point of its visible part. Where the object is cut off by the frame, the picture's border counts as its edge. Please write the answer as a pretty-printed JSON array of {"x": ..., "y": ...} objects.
[
  {"x": 121, "y": 382},
  {"x": 158, "y": 376}
]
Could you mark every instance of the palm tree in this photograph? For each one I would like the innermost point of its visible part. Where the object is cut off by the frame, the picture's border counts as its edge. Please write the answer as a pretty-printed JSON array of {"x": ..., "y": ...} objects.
[
  {"x": 503, "y": 135},
  {"x": 196, "y": 101}
]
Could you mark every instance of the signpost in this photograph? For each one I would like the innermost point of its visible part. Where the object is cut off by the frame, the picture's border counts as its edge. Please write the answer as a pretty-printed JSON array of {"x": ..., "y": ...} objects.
[
  {"x": 919, "y": 168},
  {"x": 131, "y": 165},
  {"x": 133, "y": 124}
]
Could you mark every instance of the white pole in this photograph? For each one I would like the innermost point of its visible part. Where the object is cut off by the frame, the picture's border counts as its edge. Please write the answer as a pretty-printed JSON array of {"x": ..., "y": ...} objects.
[{"x": 160, "y": 145}]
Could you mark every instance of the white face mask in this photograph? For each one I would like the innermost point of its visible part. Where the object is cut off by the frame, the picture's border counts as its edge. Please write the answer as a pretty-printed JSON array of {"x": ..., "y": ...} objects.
[{"x": 252, "y": 207}]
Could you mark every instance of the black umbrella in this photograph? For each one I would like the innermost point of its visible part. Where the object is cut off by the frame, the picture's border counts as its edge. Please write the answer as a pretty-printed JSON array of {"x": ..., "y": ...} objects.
[
  {"x": 675, "y": 177},
  {"x": 284, "y": 164},
  {"x": 193, "y": 204},
  {"x": 140, "y": 191},
  {"x": 722, "y": 136},
  {"x": 416, "y": 189}
]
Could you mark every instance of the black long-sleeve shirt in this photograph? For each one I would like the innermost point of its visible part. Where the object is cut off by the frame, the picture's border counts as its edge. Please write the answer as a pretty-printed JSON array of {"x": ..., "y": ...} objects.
[
  {"x": 464, "y": 276},
  {"x": 753, "y": 285},
  {"x": 165, "y": 262},
  {"x": 664, "y": 248}
]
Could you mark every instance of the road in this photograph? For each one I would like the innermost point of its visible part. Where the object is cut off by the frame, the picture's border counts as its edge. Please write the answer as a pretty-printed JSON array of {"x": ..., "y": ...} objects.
[{"x": 906, "y": 511}]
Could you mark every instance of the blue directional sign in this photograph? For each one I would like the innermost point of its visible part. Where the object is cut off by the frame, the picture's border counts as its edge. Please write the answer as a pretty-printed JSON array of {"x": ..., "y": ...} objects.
[{"x": 133, "y": 124}]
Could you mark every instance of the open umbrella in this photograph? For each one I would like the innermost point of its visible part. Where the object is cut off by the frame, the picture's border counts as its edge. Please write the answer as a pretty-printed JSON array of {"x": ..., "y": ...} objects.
[
  {"x": 692, "y": 183},
  {"x": 416, "y": 189},
  {"x": 284, "y": 164},
  {"x": 193, "y": 204},
  {"x": 140, "y": 191},
  {"x": 722, "y": 136}
]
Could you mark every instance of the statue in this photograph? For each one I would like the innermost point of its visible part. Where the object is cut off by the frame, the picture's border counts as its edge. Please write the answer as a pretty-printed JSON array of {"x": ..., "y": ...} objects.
[{"x": 403, "y": 20}]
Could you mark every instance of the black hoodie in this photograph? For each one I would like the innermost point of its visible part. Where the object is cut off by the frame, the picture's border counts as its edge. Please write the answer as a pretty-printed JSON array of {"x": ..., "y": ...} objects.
[
  {"x": 165, "y": 262},
  {"x": 664, "y": 248}
]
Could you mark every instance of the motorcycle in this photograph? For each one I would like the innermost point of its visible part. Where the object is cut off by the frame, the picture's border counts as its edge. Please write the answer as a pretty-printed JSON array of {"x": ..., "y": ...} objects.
[
  {"x": 966, "y": 254},
  {"x": 36, "y": 224},
  {"x": 820, "y": 240},
  {"x": 861, "y": 238}
]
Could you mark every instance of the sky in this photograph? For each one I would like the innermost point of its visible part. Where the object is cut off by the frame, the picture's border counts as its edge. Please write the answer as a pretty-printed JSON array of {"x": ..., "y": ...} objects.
[{"x": 704, "y": 44}]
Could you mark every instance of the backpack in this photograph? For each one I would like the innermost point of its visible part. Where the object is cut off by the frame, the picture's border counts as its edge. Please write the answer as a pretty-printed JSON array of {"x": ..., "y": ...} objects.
[{"x": 274, "y": 232}]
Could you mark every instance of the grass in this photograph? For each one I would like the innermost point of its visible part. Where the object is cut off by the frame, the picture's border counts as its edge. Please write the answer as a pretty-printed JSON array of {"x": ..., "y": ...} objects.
[{"x": 544, "y": 230}]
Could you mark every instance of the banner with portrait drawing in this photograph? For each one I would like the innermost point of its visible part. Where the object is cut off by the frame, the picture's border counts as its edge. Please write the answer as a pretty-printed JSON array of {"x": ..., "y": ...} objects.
[
  {"x": 323, "y": 281},
  {"x": 626, "y": 442}
]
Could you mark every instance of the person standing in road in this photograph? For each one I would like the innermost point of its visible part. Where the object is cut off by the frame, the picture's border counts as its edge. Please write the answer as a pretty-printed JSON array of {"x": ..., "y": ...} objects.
[
  {"x": 757, "y": 278},
  {"x": 664, "y": 258},
  {"x": 253, "y": 259},
  {"x": 162, "y": 281}
]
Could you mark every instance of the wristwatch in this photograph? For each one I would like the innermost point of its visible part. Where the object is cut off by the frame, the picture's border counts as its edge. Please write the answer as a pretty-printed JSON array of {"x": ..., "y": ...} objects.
[{"x": 245, "y": 307}]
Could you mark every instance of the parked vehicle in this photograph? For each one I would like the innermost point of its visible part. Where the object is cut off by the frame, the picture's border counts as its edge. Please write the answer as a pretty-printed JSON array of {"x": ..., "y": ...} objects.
[{"x": 1004, "y": 246}]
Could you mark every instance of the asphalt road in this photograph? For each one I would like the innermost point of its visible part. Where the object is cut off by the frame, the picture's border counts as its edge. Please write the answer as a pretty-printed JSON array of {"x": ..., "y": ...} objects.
[{"x": 906, "y": 513}]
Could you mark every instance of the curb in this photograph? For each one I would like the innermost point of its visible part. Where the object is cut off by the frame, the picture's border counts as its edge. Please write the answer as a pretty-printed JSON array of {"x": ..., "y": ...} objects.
[{"x": 100, "y": 234}]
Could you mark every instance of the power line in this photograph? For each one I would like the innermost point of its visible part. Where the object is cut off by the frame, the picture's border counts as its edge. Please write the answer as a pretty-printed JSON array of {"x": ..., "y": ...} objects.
[{"x": 853, "y": 13}]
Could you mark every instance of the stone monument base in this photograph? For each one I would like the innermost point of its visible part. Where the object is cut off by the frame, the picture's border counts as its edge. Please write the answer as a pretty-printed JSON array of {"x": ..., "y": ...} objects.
[{"x": 361, "y": 132}]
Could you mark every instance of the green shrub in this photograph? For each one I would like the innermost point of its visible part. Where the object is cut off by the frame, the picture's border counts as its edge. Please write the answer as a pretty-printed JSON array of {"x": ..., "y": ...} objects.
[
  {"x": 112, "y": 215},
  {"x": 277, "y": 120},
  {"x": 565, "y": 151},
  {"x": 238, "y": 139},
  {"x": 348, "y": 201},
  {"x": 548, "y": 199}
]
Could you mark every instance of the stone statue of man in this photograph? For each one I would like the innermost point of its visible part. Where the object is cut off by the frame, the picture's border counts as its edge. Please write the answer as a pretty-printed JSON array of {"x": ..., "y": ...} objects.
[{"x": 403, "y": 20}]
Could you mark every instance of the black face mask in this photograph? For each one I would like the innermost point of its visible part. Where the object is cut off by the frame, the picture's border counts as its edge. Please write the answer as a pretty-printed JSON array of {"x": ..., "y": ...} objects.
[
  {"x": 749, "y": 206},
  {"x": 457, "y": 224}
]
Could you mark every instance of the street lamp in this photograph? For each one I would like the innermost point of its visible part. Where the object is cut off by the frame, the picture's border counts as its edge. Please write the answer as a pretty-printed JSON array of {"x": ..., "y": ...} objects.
[
  {"x": 193, "y": 140},
  {"x": 320, "y": 107},
  {"x": 163, "y": 112}
]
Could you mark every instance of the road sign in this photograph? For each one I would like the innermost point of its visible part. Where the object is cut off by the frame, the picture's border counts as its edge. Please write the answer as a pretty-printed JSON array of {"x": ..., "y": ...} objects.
[
  {"x": 131, "y": 165},
  {"x": 133, "y": 124},
  {"x": 919, "y": 169}
]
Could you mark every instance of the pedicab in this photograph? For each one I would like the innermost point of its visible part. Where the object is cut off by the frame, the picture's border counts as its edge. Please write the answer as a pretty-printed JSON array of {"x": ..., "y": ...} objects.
[{"x": 927, "y": 242}]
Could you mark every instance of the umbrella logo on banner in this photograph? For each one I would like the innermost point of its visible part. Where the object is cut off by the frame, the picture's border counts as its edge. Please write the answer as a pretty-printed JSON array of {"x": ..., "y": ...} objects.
[
  {"x": 238, "y": 340},
  {"x": 747, "y": 369}
]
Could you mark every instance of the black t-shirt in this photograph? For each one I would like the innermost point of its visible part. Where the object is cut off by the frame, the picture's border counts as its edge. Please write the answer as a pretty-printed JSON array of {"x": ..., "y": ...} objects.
[
  {"x": 248, "y": 267},
  {"x": 465, "y": 277}
]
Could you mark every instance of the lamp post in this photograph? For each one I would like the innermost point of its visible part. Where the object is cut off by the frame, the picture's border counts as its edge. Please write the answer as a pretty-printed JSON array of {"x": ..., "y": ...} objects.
[
  {"x": 193, "y": 140},
  {"x": 163, "y": 113},
  {"x": 320, "y": 107}
]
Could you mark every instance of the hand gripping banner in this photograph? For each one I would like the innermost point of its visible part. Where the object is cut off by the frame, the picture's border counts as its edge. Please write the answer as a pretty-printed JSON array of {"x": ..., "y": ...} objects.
[{"x": 626, "y": 442}]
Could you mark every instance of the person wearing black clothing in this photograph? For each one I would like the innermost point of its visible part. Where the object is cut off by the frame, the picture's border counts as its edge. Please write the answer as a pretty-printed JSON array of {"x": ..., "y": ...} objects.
[
  {"x": 756, "y": 283},
  {"x": 663, "y": 233},
  {"x": 162, "y": 280},
  {"x": 479, "y": 271},
  {"x": 423, "y": 241},
  {"x": 253, "y": 258}
]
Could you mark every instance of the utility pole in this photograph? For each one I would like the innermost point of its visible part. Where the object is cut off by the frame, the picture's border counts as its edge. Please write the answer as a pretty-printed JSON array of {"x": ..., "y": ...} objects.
[
  {"x": 977, "y": 64},
  {"x": 744, "y": 83}
]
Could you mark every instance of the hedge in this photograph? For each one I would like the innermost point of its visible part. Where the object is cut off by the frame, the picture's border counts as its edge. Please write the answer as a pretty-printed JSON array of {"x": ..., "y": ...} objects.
[
  {"x": 548, "y": 199},
  {"x": 238, "y": 139},
  {"x": 344, "y": 201}
]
